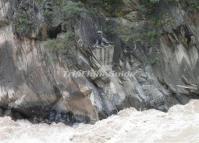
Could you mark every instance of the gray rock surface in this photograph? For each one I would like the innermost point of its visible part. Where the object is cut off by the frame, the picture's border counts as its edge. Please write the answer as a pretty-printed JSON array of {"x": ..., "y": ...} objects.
[{"x": 34, "y": 82}]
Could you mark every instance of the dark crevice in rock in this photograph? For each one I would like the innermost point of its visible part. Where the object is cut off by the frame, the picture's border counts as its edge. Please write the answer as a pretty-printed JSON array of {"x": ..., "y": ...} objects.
[
  {"x": 13, "y": 113},
  {"x": 54, "y": 31},
  {"x": 57, "y": 92}
]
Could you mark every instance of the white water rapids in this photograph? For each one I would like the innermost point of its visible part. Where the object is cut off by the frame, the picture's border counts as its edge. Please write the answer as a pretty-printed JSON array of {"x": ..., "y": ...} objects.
[{"x": 179, "y": 125}]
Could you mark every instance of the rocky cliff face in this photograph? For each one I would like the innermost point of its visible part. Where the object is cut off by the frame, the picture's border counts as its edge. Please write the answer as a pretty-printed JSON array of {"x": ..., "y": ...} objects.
[{"x": 42, "y": 41}]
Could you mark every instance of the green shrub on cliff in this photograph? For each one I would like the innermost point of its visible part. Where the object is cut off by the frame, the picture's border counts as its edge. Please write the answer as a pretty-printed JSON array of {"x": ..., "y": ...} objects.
[
  {"x": 39, "y": 1},
  {"x": 62, "y": 44},
  {"x": 73, "y": 9},
  {"x": 148, "y": 7},
  {"x": 23, "y": 25},
  {"x": 191, "y": 5},
  {"x": 111, "y": 5},
  {"x": 55, "y": 44}
]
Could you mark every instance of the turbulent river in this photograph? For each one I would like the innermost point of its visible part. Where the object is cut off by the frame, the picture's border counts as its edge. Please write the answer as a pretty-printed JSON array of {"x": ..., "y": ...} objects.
[{"x": 179, "y": 125}]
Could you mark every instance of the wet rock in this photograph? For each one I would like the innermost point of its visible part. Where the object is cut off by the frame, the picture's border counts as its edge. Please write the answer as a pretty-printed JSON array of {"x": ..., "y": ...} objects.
[
  {"x": 61, "y": 117},
  {"x": 81, "y": 119},
  {"x": 35, "y": 120},
  {"x": 1, "y": 112},
  {"x": 52, "y": 116},
  {"x": 58, "y": 118},
  {"x": 8, "y": 112},
  {"x": 17, "y": 116},
  {"x": 64, "y": 118}
]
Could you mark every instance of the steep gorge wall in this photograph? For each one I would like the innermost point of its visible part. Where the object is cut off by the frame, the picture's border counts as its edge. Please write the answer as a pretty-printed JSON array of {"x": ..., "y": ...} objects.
[{"x": 33, "y": 78}]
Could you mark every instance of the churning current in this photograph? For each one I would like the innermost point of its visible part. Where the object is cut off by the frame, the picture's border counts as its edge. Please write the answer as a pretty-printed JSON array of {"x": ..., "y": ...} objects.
[{"x": 179, "y": 125}]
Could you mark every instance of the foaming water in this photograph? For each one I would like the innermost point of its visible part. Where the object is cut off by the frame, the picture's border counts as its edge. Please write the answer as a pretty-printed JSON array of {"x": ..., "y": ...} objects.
[{"x": 179, "y": 125}]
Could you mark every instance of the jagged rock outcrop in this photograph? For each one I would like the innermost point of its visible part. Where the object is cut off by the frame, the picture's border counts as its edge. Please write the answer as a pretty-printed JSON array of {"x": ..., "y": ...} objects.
[{"x": 34, "y": 78}]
